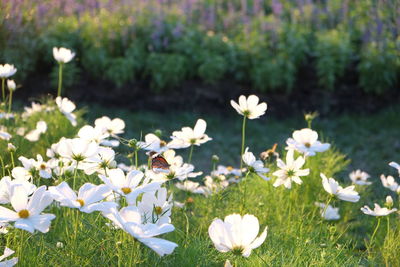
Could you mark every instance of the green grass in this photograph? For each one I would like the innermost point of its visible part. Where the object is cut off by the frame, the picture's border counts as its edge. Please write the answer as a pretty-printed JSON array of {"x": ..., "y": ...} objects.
[{"x": 297, "y": 236}]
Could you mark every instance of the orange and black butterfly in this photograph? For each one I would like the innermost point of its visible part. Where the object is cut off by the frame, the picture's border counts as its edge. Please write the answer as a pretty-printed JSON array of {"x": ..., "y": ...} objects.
[{"x": 158, "y": 162}]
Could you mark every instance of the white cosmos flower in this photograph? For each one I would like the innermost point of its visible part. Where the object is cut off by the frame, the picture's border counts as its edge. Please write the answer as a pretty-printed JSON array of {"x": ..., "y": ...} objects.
[
  {"x": 20, "y": 173},
  {"x": 34, "y": 135},
  {"x": 129, "y": 185},
  {"x": 213, "y": 184},
  {"x": 112, "y": 127},
  {"x": 63, "y": 55},
  {"x": 250, "y": 107},
  {"x": 153, "y": 143},
  {"x": 66, "y": 107},
  {"x": 378, "y": 211},
  {"x": 6, "y": 184},
  {"x": 156, "y": 207},
  {"x": 306, "y": 141},
  {"x": 8, "y": 263},
  {"x": 27, "y": 214},
  {"x": 253, "y": 165},
  {"x": 226, "y": 171},
  {"x": 7, "y": 70},
  {"x": 91, "y": 134},
  {"x": 77, "y": 149},
  {"x": 237, "y": 234},
  {"x": 188, "y": 136},
  {"x": 333, "y": 188},
  {"x": 11, "y": 85},
  {"x": 395, "y": 165},
  {"x": 359, "y": 177},
  {"x": 4, "y": 134},
  {"x": 330, "y": 214},
  {"x": 130, "y": 220},
  {"x": 102, "y": 161},
  {"x": 43, "y": 167},
  {"x": 390, "y": 183},
  {"x": 87, "y": 199},
  {"x": 290, "y": 171},
  {"x": 190, "y": 186}
]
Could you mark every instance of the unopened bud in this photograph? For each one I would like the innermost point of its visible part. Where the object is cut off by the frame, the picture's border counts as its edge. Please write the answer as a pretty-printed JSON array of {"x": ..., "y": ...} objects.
[
  {"x": 11, "y": 148},
  {"x": 132, "y": 143},
  {"x": 215, "y": 158},
  {"x": 11, "y": 85},
  {"x": 389, "y": 201},
  {"x": 158, "y": 132}
]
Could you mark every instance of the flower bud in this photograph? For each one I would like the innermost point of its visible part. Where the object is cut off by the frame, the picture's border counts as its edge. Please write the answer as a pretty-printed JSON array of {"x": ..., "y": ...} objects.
[
  {"x": 132, "y": 143},
  {"x": 389, "y": 201},
  {"x": 215, "y": 158},
  {"x": 11, "y": 85},
  {"x": 158, "y": 132},
  {"x": 60, "y": 245},
  {"x": 11, "y": 148}
]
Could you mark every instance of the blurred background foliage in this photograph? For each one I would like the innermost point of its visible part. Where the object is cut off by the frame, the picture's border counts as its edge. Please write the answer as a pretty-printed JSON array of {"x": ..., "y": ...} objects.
[{"x": 271, "y": 46}]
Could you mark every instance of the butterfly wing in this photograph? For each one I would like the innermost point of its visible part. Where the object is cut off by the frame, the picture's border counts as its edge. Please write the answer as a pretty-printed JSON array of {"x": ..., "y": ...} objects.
[{"x": 159, "y": 163}]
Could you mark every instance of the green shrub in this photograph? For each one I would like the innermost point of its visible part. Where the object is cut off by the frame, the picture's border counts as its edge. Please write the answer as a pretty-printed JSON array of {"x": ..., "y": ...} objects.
[
  {"x": 379, "y": 67},
  {"x": 165, "y": 70},
  {"x": 213, "y": 68},
  {"x": 333, "y": 51}
]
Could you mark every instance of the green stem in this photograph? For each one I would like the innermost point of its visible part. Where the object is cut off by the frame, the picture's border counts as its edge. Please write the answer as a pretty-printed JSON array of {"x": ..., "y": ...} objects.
[
  {"x": 243, "y": 141},
  {"x": 2, "y": 166},
  {"x": 10, "y": 101},
  {"x": 12, "y": 160},
  {"x": 326, "y": 207},
  {"x": 243, "y": 193},
  {"x": 376, "y": 230},
  {"x": 190, "y": 153},
  {"x": 388, "y": 225},
  {"x": 75, "y": 172},
  {"x": 136, "y": 159},
  {"x": 3, "y": 90},
  {"x": 60, "y": 67}
]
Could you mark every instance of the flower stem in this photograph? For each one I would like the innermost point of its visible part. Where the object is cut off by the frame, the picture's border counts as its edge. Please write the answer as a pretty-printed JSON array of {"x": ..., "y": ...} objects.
[
  {"x": 12, "y": 159},
  {"x": 326, "y": 206},
  {"x": 10, "y": 101},
  {"x": 243, "y": 141},
  {"x": 3, "y": 90},
  {"x": 376, "y": 230},
  {"x": 75, "y": 172},
  {"x": 136, "y": 158},
  {"x": 243, "y": 192},
  {"x": 60, "y": 68},
  {"x": 2, "y": 166},
  {"x": 190, "y": 154}
]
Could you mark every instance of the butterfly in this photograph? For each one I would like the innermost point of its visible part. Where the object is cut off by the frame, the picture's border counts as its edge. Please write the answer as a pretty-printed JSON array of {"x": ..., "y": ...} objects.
[{"x": 158, "y": 162}]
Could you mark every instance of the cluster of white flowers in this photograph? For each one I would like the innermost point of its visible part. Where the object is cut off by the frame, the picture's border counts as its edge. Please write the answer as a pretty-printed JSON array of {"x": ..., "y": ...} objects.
[{"x": 135, "y": 198}]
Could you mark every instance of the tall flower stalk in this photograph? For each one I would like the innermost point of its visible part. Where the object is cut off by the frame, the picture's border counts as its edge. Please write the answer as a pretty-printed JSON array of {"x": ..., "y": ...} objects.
[
  {"x": 60, "y": 69},
  {"x": 243, "y": 140},
  {"x": 249, "y": 108},
  {"x": 62, "y": 55}
]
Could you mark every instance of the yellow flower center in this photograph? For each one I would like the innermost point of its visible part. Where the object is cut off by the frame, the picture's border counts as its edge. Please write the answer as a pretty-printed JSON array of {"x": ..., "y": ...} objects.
[
  {"x": 81, "y": 202},
  {"x": 158, "y": 210},
  {"x": 229, "y": 168},
  {"x": 308, "y": 145},
  {"x": 163, "y": 143},
  {"x": 23, "y": 214},
  {"x": 126, "y": 190},
  {"x": 42, "y": 166}
]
